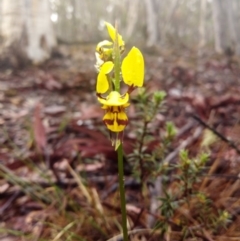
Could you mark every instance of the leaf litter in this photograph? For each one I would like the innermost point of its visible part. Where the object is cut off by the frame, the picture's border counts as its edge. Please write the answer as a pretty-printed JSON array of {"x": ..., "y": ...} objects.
[{"x": 59, "y": 170}]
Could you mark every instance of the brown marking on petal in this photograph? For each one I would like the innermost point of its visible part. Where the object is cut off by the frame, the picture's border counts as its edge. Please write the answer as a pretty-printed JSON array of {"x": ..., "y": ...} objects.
[
  {"x": 108, "y": 121},
  {"x": 122, "y": 122},
  {"x": 116, "y": 109}
]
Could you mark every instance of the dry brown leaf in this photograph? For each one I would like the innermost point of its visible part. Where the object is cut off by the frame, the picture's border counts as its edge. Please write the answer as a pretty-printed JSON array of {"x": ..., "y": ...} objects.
[{"x": 39, "y": 129}]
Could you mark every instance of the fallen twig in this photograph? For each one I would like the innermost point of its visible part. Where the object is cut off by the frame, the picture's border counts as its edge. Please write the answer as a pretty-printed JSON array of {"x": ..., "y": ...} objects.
[{"x": 223, "y": 138}]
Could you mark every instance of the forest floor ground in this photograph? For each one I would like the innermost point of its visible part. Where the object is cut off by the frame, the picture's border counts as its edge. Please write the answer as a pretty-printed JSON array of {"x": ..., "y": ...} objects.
[{"x": 58, "y": 170}]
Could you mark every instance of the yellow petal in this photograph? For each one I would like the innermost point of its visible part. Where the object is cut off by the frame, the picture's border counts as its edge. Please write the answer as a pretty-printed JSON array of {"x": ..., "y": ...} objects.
[
  {"x": 115, "y": 99},
  {"x": 107, "y": 67},
  {"x": 133, "y": 68},
  {"x": 102, "y": 83},
  {"x": 115, "y": 122},
  {"x": 104, "y": 43},
  {"x": 112, "y": 34}
]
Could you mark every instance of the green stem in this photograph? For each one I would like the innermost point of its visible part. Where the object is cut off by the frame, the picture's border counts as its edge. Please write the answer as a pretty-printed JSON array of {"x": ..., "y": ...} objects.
[
  {"x": 117, "y": 64},
  {"x": 122, "y": 192},
  {"x": 117, "y": 70}
]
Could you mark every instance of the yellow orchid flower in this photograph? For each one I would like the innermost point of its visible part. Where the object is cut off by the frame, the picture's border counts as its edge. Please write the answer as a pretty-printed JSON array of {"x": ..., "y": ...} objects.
[
  {"x": 132, "y": 70},
  {"x": 112, "y": 34},
  {"x": 115, "y": 118},
  {"x": 105, "y": 49},
  {"x": 103, "y": 44}
]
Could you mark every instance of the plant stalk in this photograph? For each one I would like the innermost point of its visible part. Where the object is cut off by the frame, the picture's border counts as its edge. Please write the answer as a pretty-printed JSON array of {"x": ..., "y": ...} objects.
[
  {"x": 117, "y": 63},
  {"x": 122, "y": 192},
  {"x": 117, "y": 70}
]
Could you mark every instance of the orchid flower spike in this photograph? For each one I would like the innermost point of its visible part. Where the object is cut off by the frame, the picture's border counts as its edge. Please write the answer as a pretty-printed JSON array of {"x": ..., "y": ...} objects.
[{"x": 132, "y": 74}]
